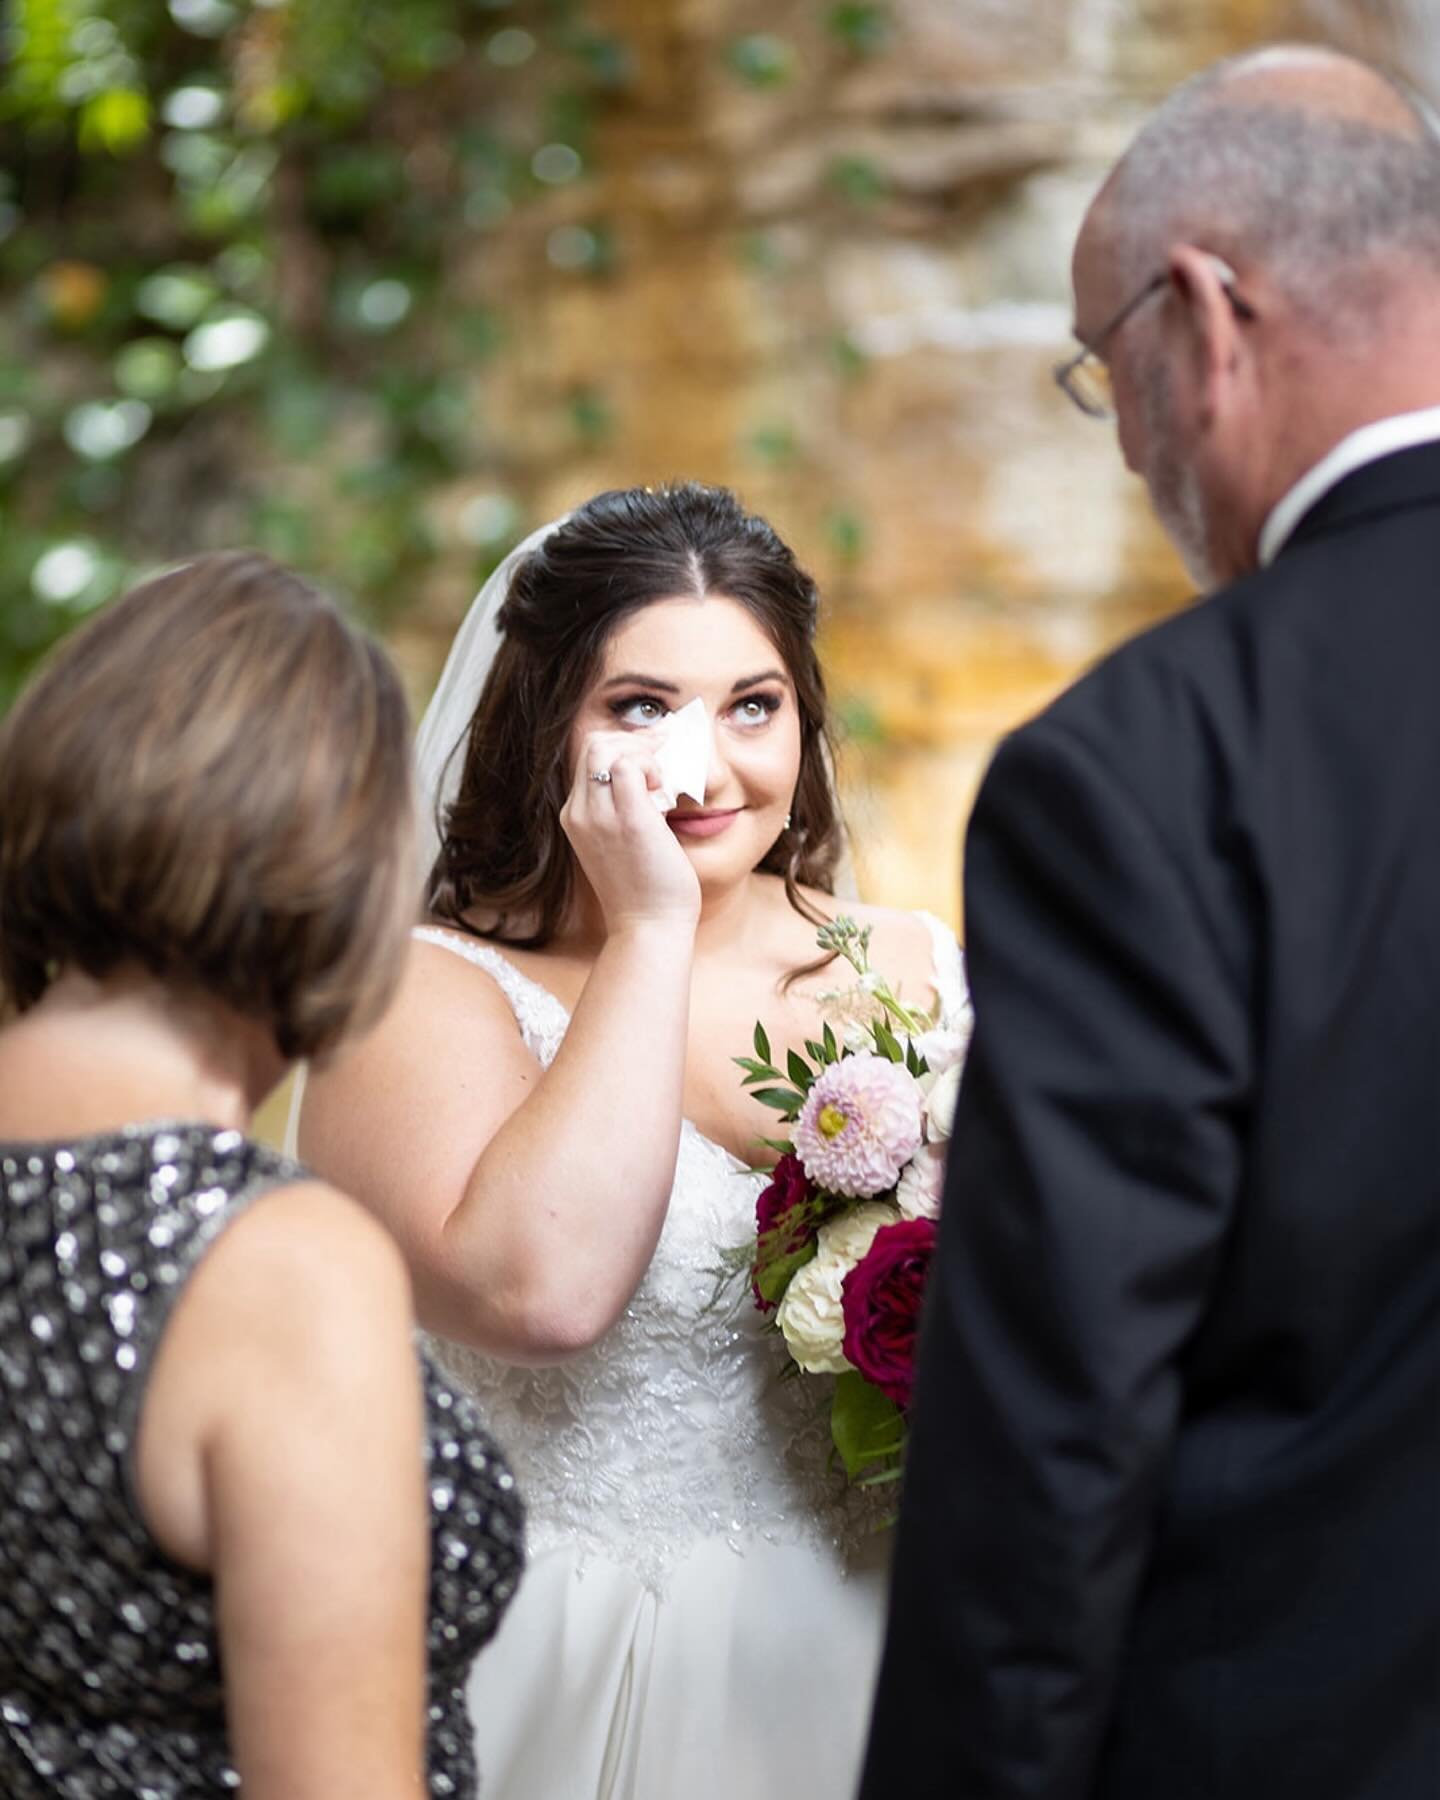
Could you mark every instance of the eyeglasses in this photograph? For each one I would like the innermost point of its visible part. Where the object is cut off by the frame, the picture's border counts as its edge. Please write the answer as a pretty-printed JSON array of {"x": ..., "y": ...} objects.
[{"x": 1085, "y": 377}]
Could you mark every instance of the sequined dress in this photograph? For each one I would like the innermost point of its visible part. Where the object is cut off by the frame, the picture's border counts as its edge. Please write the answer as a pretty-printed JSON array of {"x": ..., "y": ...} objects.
[
  {"x": 704, "y": 1599},
  {"x": 110, "y": 1679}
]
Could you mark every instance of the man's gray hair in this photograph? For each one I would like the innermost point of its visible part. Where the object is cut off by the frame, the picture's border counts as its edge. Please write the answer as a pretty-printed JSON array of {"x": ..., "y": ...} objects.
[{"x": 1320, "y": 198}]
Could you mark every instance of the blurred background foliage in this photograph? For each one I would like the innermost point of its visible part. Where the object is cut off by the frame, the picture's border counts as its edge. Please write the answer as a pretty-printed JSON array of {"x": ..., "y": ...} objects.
[
  {"x": 226, "y": 235},
  {"x": 377, "y": 285}
]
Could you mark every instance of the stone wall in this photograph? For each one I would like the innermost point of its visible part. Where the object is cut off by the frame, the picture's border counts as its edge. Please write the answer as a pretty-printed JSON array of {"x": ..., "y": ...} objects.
[{"x": 837, "y": 281}]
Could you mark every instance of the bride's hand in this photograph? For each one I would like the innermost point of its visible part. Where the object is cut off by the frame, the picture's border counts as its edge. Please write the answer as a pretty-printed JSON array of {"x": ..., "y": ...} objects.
[{"x": 630, "y": 856}]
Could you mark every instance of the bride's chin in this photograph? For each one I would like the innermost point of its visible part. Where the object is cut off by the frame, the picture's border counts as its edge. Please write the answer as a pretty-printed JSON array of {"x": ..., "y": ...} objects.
[{"x": 719, "y": 874}]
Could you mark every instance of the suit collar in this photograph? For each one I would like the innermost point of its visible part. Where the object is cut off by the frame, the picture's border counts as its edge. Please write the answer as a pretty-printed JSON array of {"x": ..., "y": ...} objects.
[
  {"x": 1362, "y": 449},
  {"x": 1401, "y": 479}
]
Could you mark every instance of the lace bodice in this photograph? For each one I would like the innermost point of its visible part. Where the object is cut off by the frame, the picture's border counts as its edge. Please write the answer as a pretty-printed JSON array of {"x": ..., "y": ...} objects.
[{"x": 677, "y": 1424}]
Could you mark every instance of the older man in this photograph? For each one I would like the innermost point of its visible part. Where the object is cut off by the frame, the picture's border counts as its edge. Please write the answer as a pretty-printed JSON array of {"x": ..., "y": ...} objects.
[{"x": 1171, "y": 1525}]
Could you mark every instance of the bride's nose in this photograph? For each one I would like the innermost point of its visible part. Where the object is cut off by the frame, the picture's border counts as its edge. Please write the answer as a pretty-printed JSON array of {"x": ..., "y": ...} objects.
[{"x": 716, "y": 767}]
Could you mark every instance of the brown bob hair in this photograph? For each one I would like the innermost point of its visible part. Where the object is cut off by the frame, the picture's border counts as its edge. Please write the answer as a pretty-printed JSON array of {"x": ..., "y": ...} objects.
[
  {"x": 502, "y": 849},
  {"x": 211, "y": 780}
]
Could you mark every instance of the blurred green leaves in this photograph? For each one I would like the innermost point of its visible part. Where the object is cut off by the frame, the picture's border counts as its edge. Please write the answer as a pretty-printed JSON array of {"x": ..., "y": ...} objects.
[
  {"x": 237, "y": 295},
  {"x": 762, "y": 59},
  {"x": 257, "y": 261},
  {"x": 862, "y": 26}
]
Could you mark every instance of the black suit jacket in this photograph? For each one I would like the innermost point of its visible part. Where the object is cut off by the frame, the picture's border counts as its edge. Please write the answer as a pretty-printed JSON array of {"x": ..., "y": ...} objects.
[{"x": 1171, "y": 1523}]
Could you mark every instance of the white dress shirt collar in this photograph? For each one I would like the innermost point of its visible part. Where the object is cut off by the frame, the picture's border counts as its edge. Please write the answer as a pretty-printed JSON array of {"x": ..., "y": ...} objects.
[{"x": 1366, "y": 445}]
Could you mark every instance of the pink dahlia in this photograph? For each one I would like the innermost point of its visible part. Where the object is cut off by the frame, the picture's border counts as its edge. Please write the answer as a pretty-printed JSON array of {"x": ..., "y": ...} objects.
[{"x": 860, "y": 1124}]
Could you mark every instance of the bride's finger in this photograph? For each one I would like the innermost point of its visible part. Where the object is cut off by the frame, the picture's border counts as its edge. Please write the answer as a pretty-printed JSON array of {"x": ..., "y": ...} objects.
[
  {"x": 630, "y": 781},
  {"x": 596, "y": 770}
]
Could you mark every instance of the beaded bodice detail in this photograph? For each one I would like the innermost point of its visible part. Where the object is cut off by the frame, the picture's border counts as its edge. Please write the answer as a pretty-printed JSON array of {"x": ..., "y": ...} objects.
[
  {"x": 110, "y": 1678},
  {"x": 676, "y": 1425}
]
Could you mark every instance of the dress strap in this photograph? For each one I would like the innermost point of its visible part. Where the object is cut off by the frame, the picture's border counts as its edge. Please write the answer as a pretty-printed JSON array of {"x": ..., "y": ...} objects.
[
  {"x": 948, "y": 962},
  {"x": 541, "y": 1015}
]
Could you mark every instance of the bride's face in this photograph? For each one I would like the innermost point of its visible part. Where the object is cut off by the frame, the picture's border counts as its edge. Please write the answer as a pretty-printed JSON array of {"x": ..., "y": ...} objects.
[{"x": 672, "y": 652}]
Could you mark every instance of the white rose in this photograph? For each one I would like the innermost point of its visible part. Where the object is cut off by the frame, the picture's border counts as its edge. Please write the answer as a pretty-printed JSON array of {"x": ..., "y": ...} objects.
[
  {"x": 940, "y": 1103},
  {"x": 811, "y": 1315},
  {"x": 921, "y": 1183},
  {"x": 942, "y": 1049}
]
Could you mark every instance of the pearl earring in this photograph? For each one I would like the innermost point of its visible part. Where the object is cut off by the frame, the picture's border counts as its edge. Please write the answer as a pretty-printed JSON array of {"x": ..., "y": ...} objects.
[{"x": 787, "y": 821}]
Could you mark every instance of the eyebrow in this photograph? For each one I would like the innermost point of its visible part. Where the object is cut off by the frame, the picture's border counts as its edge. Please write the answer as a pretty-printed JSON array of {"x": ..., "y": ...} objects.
[{"x": 670, "y": 687}]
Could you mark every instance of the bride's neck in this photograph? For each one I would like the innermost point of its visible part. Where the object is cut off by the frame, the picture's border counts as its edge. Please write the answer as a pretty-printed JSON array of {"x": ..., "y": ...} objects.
[{"x": 727, "y": 917}]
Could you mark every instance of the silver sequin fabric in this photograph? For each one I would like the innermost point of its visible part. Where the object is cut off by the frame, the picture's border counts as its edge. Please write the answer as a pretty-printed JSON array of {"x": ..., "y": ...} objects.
[{"x": 110, "y": 1677}]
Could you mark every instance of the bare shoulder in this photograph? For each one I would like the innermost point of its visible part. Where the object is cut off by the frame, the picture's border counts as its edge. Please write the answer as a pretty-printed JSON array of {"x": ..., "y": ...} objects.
[
  {"x": 311, "y": 1267},
  {"x": 317, "y": 1234},
  {"x": 445, "y": 975},
  {"x": 448, "y": 1018},
  {"x": 295, "y": 1326}
]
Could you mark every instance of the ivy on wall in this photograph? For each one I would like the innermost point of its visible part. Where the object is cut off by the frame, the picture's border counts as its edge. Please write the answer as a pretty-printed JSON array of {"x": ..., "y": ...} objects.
[
  {"x": 239, "y": 244},
  {"x": 227, "y": 235}
]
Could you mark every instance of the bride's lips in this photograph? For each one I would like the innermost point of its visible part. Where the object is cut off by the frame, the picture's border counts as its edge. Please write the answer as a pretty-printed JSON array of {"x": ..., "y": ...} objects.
[{"x": 701, "y": 824}]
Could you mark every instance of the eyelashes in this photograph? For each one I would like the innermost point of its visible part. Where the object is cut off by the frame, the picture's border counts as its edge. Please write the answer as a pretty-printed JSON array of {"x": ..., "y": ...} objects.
[
  {"x": 749, "y": 711},
  {"x": 638, "y": 709}
]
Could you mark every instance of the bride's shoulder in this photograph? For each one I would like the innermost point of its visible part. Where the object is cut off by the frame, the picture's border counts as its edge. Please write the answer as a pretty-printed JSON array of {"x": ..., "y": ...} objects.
[{"x": 905, "y": 945}]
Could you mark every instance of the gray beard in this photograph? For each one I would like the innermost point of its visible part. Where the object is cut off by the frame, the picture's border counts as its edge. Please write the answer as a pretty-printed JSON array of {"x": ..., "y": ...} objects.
[
  {"x": 1174, "y": 490},
  {"x": 1182, "y": 514}
]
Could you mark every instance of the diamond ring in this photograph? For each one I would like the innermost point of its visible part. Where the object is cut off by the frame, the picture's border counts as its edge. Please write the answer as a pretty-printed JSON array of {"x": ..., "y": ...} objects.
[{"x": 601, "y": 775}]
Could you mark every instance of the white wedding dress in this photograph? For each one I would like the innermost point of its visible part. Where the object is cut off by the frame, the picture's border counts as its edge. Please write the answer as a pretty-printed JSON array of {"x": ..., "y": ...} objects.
[{"x": 701, "y": 1616}]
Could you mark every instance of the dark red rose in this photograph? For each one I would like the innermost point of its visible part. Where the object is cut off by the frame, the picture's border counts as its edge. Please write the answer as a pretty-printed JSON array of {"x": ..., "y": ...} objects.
[
  {"x": 787, "y": 1195},
  {"x": 881, "y": 1303}
]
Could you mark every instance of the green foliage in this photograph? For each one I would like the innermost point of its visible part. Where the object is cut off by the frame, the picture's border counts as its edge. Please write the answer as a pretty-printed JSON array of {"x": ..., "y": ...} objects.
[
  {"x": 846, "y": 532},
  {"x": 762, "y": 60},
  {"x": 773, "y": 1273},
  {"x": 237, "y": 295},
  {"x": 862, "y": 26},
  {"x": 774, "y": 444},
  {"x": 857, "y": 180},
  {"x": 859, "y": 723},
  {"x": 867, "y": 1428}
]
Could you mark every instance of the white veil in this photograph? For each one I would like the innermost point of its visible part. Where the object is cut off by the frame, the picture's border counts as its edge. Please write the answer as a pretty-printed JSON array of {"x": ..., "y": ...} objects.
[
  {"x": 447, "y": 717},
  {"x": 442, "y": 729},
  {"x": 438, "y": 738}
]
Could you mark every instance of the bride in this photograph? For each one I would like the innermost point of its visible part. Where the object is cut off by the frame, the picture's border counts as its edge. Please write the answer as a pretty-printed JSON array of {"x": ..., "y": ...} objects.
[{"x": 550, "y": 1122}]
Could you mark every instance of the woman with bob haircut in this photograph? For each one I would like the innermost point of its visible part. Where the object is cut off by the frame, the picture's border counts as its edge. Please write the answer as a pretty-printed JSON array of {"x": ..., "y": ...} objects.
[
  {"x": 215, "y": 1436},
  {"x": 551, "y": 1123}
]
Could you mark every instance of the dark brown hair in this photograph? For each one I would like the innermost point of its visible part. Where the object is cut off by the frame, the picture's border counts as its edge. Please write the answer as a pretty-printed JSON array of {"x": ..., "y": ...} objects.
[
  {"x": 212, "y": 780},
  {"x": 502, "y": 849}
]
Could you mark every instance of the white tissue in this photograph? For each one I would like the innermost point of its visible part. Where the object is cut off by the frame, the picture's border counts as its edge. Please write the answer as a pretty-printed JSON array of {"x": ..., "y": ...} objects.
[{"x": 682, "y": 750}]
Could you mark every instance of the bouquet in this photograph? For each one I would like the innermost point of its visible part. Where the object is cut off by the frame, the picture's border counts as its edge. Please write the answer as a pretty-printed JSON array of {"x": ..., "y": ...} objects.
[{"x": 845, "y": 1229}]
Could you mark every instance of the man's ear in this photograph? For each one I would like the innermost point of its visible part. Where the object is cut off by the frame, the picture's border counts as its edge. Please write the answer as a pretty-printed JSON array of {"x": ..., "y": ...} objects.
[{"x": 1199, "y": 281}]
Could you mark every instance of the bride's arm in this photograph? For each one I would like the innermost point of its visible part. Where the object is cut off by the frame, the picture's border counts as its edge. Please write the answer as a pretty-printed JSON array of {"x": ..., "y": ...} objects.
[{"x": 528, "y": 1203}]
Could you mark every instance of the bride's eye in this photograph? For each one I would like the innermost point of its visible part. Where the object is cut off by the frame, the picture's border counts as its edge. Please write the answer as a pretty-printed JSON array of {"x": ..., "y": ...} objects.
[
  {"x": 755, "y": 709},
  {"x": 639, "y": 709}
]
